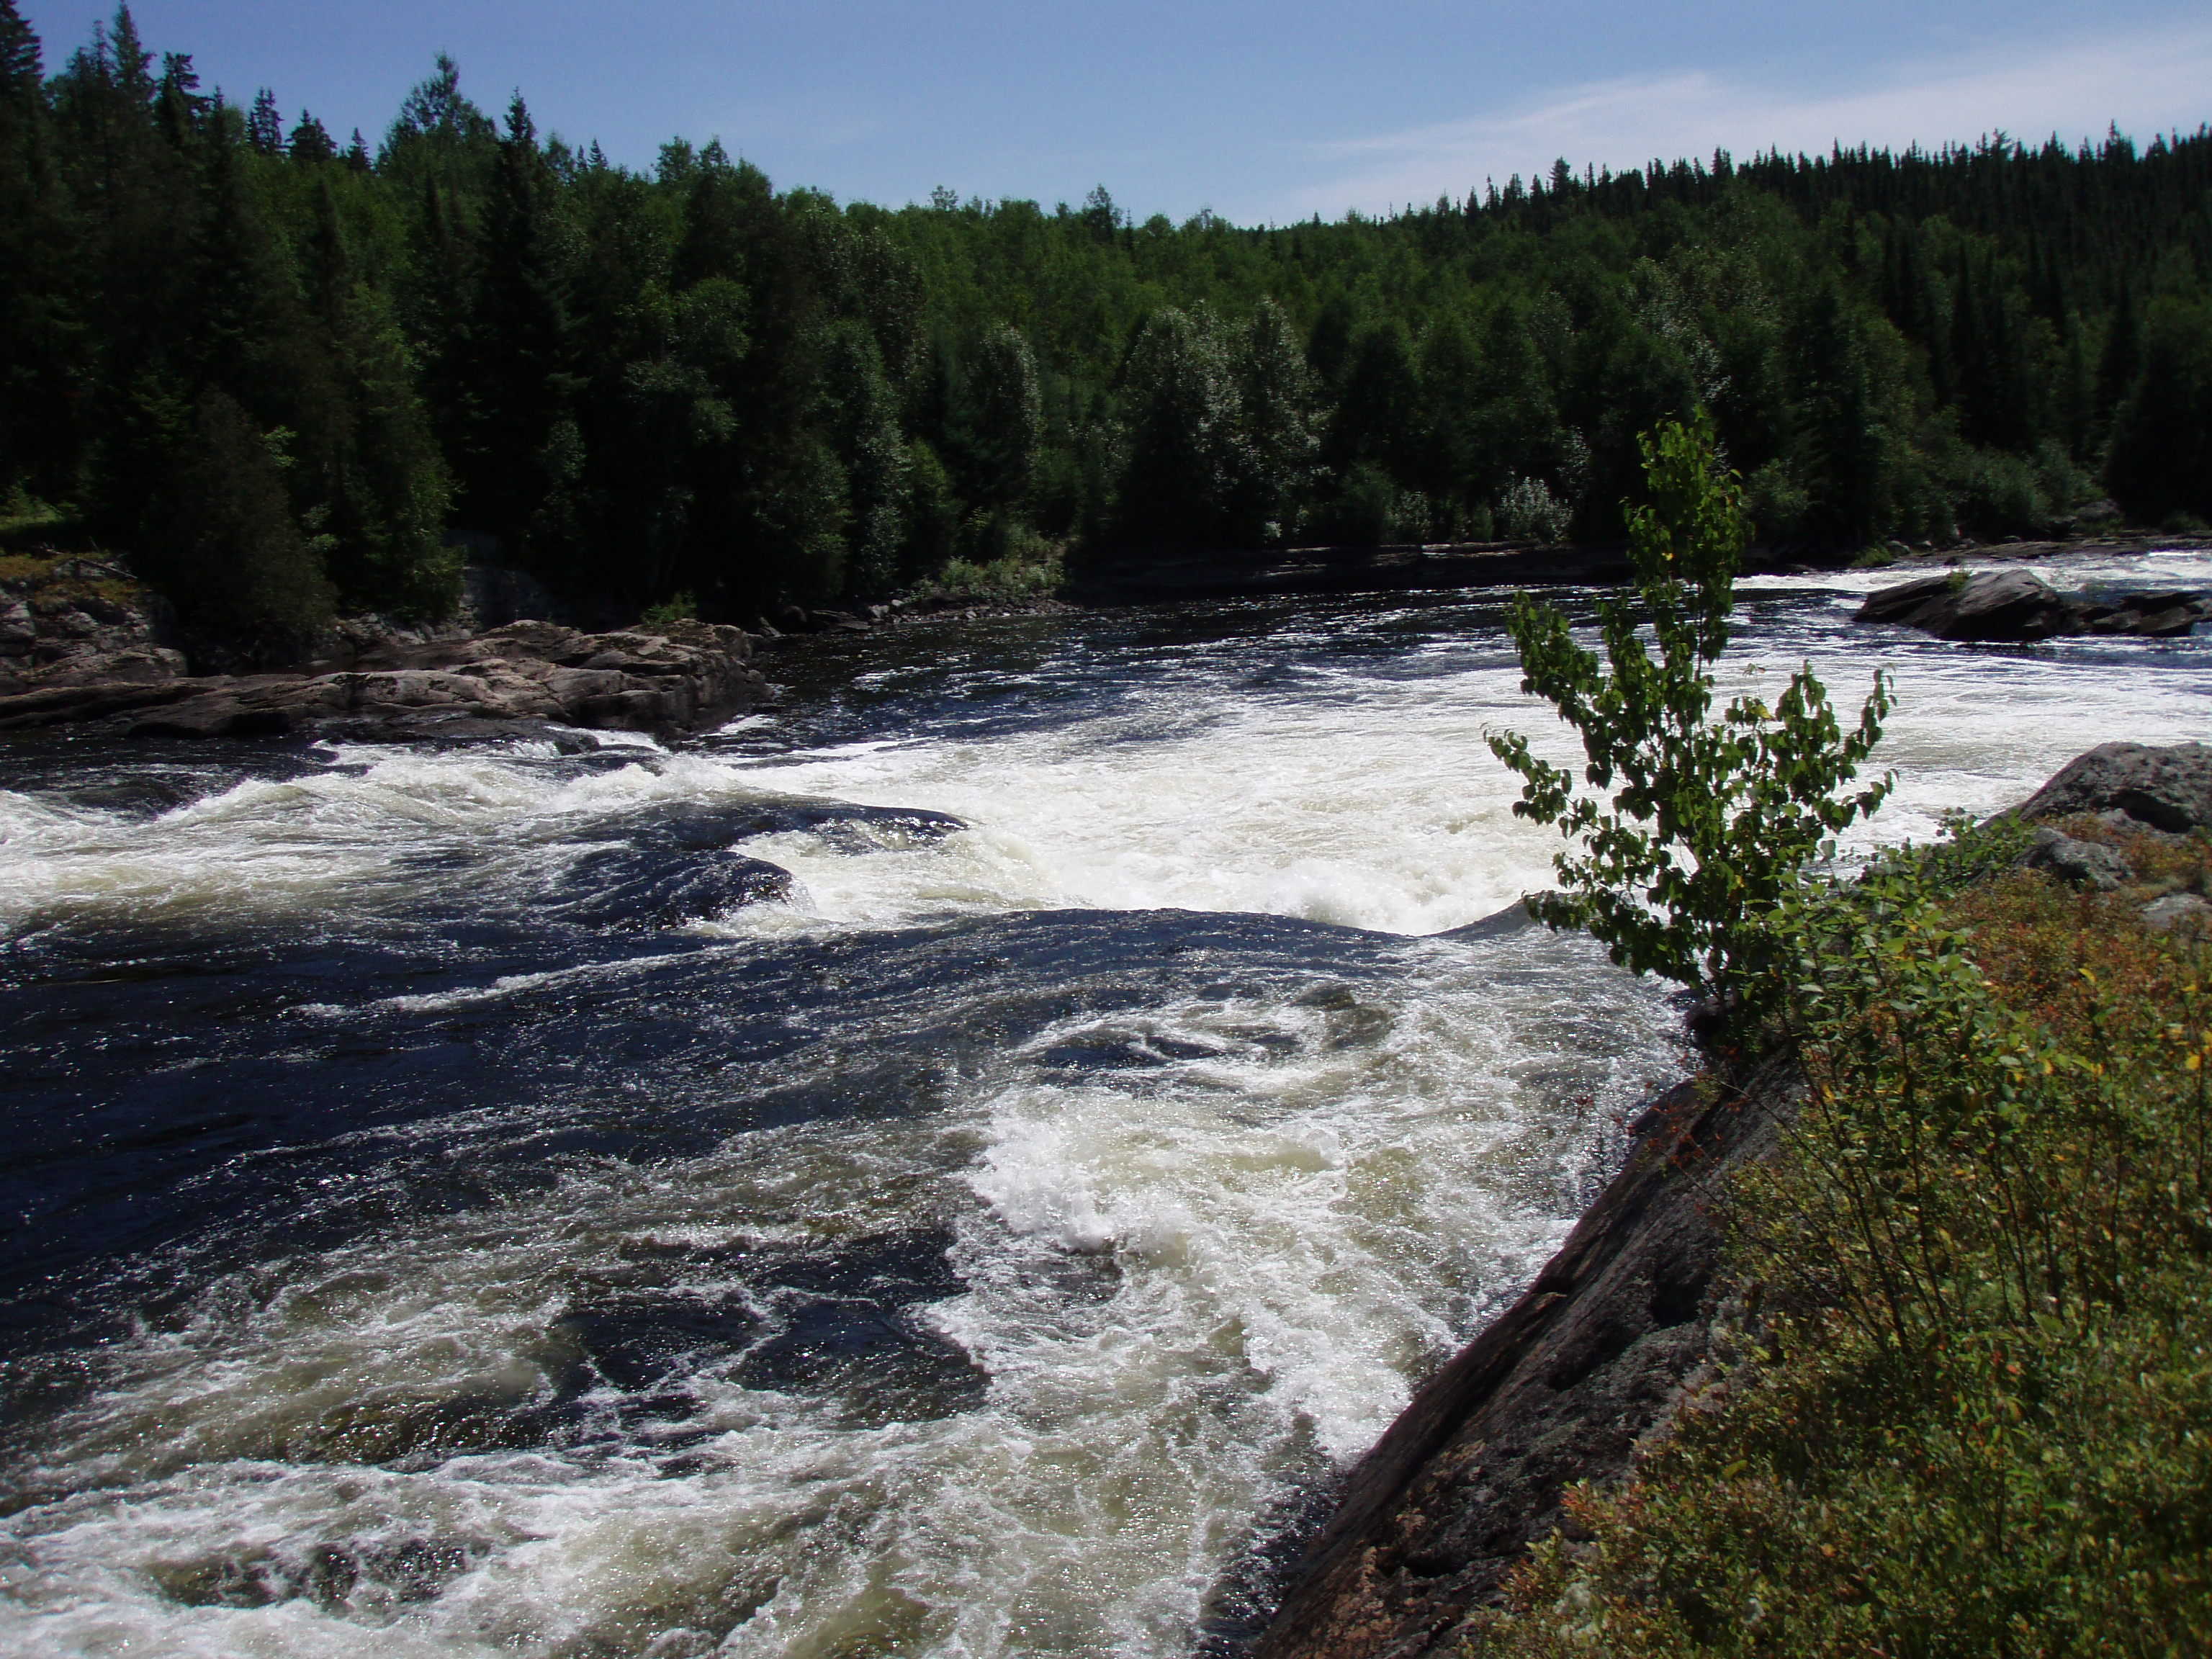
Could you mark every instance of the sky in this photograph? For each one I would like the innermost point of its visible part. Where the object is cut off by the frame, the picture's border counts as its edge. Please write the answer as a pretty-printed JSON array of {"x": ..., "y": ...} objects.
[{"x": 1263, "y": 113}]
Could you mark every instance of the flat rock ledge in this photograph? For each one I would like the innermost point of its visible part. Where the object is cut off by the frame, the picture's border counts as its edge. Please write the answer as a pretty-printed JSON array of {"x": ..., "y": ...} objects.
[
  {"x": 2020, "y": 607},
  {"x": 523, "y": 680}
]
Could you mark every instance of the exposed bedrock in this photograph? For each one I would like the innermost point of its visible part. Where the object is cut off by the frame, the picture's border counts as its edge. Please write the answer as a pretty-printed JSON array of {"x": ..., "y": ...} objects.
[
  {"x": 1559, "y": 1390},
  {"x": 513, "y": 681},
  {"x": 2018, "y": 607}
]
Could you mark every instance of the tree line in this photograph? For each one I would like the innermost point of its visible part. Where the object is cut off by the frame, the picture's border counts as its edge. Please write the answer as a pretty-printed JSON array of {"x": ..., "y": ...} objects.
[{"x": 293, "y": 374}]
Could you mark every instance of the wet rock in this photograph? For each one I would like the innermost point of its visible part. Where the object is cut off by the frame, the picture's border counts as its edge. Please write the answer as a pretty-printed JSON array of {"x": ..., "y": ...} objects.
[
  {"x": 2163, "y": 789},
  {"x": 634, "y": 888},
  {"x": 2076, "y": 863},
  {"x": 2018, "y": 606},
  {"x": 2008, "y": 606},
  {"x": 2148, "y": 616},
  {"x": 2177, "y": 912}
]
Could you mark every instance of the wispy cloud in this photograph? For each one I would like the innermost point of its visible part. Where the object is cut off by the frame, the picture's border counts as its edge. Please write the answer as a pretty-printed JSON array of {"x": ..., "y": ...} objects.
[{"x": 2146, "y": 81}]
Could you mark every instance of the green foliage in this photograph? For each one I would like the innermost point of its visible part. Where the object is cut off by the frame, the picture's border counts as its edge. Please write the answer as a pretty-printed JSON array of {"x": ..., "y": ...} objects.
[
  {"x": 639, "y": 383},
  {"x": 251, "y": 579},
  {"x": 1710, "y": 819},
  {"x": 2161, "y": 456},
  {"x": 1965, "y": 1409},
  {"x": 1006, "y": 564}
]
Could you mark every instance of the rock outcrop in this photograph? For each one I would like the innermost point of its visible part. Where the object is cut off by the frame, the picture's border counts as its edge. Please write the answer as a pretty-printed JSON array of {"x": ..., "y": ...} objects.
[
  {"x": 520, "y": 680},
  {"x": 73, "y": 622},
  {"x": 1559, "y": 1390},
  {"x": 2020, "y": 607}
]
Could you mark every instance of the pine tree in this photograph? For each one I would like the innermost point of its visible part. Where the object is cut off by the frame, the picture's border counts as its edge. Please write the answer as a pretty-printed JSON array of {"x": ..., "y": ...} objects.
[
  {"x": 310, "y": 143},
  {"x": 264, "y": 127}
]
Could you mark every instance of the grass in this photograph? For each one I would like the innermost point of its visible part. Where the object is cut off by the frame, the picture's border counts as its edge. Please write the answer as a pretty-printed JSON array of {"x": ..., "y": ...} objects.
[{"x": 1966, "y": 1406}]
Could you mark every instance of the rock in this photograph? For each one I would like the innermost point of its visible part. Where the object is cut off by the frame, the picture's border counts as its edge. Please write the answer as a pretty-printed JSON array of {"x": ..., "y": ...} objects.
[
  {"x": 2147, "y": 615},
  {"x": 2018, "y": 606},
  {"x": 682, "y": 676},
  {"x": 2177, "y": 912},
  {"x": 2077, "y": 862},
  {"x": 1560, "y": 1389},
  {"x": 80, "y": 621},
  {"x": 2168, "y": 789},
  {"x": 2005, "y": 605},
  {"x": 640, "y": 888}
]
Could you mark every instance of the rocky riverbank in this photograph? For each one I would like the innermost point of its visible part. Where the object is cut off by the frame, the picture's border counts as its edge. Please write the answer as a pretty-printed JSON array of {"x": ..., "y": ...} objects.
[
  {"x": 526, "y": 679},
  {"x": 1619, "y": 1327}
]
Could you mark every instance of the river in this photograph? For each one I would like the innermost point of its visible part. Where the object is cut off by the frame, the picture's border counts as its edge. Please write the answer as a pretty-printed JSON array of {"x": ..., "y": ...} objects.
[{"x": 463, "y": 1203}]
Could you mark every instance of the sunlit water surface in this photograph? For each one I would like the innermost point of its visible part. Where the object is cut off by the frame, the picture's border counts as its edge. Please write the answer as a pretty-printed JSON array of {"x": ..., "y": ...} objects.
[{"x": 466, "y": 1203}]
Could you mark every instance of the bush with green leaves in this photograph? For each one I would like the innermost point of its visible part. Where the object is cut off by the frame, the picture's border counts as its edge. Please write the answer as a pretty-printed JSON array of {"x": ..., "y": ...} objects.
[
  {"x": 1963, "y": 1404},
  {"x": 1708, "y": 819}
]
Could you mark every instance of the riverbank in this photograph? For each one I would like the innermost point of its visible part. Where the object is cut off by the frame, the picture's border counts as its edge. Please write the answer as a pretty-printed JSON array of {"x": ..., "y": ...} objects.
[
  {"x": 1322, "y": 570},
  {"x": 83, "y": 643},
  {"x": 1587, "y": 1378}
]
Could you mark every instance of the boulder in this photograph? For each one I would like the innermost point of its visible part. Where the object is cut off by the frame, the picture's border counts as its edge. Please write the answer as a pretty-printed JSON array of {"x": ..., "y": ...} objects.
[
  {"x": 2018, "y": 607},
  {"x": 2076, "y": 863},
  {"x": 2177, "y": 912},
  {"x": 2168, "y": 789},
  {"x": 2147, "y": 615},
  {"x": 2013, "y": 607}
]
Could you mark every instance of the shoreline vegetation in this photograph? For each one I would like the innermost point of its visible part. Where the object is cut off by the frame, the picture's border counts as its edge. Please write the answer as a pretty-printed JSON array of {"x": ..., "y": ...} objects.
[{"x": 297, "y": 376}]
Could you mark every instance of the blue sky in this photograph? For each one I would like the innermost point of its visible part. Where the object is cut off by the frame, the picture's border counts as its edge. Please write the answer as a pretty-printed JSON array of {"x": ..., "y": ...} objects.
[{"x": 1260, "y": 111}]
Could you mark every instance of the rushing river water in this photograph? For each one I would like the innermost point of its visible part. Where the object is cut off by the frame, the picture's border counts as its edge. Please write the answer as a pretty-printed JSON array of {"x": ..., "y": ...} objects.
[{"x": 463, "y": 1203}]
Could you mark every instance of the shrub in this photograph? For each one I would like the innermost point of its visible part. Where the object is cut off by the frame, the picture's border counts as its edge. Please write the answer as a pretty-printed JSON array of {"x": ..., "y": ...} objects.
[
  {"x": 1528, "y": 512},
  {"x": 1968, "y": 1411},
  {"x": 1709, "y": 820}
]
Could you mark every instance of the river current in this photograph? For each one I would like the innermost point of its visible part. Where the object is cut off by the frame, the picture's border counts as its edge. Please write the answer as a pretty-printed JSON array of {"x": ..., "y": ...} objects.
[{"x": 466, "y": 1203}]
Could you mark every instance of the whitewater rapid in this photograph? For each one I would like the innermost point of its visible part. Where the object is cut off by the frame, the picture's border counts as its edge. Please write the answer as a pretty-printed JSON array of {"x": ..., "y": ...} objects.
[{"x": 984, "y": 1247}]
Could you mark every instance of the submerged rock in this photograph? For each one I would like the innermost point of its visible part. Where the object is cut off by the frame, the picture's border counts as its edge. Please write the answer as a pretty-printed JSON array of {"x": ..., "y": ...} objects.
[{"x": 641, "y": 887}]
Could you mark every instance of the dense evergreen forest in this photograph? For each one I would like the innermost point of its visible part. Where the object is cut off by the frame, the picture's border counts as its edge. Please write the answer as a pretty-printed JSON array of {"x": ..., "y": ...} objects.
[{"x": 292, "y": 373}]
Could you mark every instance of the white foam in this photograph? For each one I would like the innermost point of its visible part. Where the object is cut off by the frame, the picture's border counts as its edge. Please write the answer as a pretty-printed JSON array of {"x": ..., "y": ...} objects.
[{"x": 1189, "y": 1284}]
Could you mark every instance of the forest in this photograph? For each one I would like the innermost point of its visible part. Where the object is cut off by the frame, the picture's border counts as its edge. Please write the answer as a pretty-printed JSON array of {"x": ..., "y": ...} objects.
[{"x": 292, "y": 374}]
